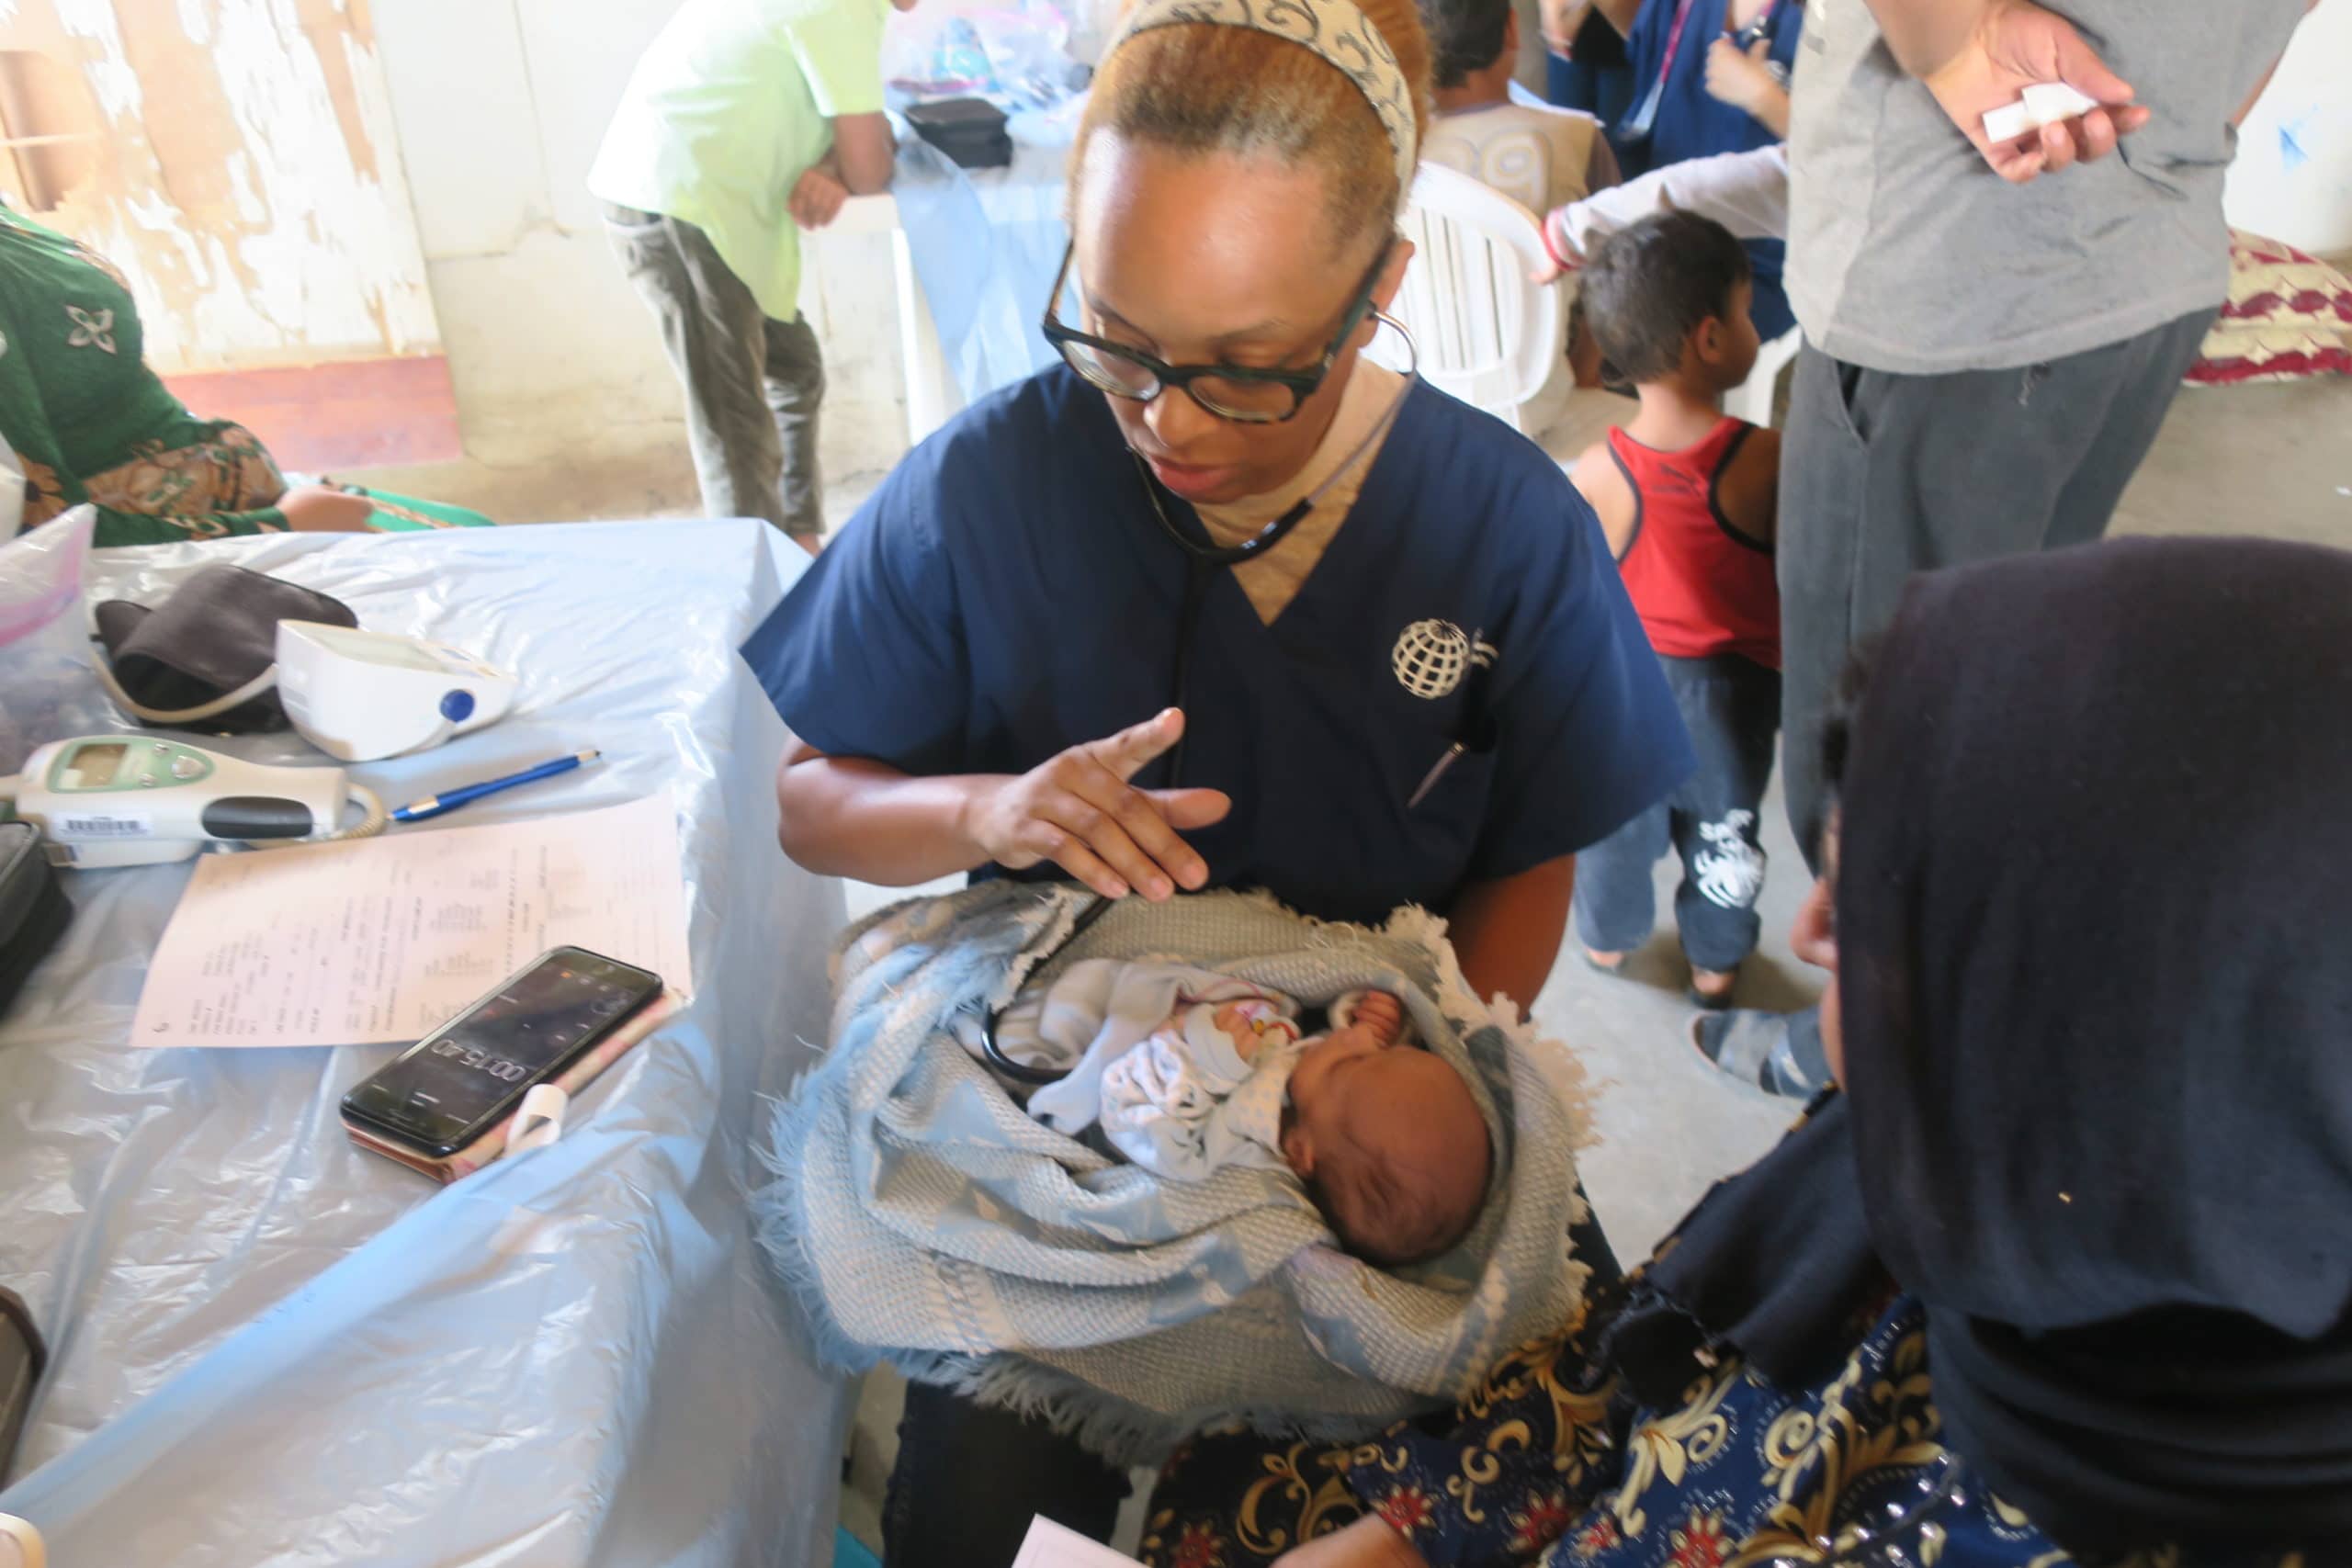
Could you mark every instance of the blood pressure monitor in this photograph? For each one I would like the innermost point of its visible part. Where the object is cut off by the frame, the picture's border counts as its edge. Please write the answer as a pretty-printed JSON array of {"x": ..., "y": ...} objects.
[{"x": 360, "y": 696}]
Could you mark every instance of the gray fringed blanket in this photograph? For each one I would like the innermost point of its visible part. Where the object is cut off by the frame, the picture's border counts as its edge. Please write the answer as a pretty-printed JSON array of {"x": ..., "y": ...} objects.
[{"x": 925, "y": 1219}]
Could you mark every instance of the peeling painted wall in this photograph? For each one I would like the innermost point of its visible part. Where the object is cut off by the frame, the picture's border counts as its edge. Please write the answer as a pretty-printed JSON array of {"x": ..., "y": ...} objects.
[
  {"x": 551, "y": 350},
  {"x": 553, "y": 354},
  {"x": 249, "y": 180}
]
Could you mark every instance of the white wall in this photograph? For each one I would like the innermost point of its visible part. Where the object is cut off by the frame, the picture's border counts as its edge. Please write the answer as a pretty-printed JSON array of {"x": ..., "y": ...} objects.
[
  {"x": 2293, "y": 180},
  {"x": 499, "y": 105}
]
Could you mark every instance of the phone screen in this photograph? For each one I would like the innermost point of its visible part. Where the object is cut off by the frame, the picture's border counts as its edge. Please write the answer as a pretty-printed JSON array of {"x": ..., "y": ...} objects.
[{"x": 456, "y": 1084}]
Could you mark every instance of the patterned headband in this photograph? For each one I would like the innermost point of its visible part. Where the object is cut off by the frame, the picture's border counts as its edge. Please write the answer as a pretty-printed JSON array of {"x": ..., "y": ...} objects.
[{"x": 1335, "y": 29}]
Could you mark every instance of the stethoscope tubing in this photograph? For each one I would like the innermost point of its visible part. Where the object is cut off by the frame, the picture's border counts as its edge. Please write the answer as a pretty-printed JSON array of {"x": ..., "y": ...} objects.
[
  {"x": 1201, "y": 561},
  {"x": 1201, "y": 564}
]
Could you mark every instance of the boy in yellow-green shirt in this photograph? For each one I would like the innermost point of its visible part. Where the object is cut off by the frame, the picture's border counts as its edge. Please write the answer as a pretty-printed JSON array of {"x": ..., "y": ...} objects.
[{"x": 746, "y": 121}]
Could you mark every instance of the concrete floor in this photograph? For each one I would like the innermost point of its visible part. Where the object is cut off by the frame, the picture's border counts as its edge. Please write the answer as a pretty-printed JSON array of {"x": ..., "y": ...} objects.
[
  {"x": 2250, "y": 461},
  {"x": 2271, "y": 460},
  {"x": 643, "y": 474},
  {"x": 2262, "y": 459}
]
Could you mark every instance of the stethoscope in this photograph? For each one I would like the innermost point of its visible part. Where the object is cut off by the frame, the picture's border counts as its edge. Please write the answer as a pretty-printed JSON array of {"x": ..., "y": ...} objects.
[
  {"x": 1021, "y": 1072},
  {"x": 1201, "y": 563},
  {"x": 1204, "y": 561}
]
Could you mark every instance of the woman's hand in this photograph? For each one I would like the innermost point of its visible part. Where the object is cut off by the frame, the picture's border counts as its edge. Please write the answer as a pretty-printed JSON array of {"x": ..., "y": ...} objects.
[
  {"x": 1743, "y": 79},
  {"x": 317, "y": 509},
  {"x": 1078, "y": 810},
  {"x": 817, "y": 198},
  {"x": 1367, "y": 1543}
]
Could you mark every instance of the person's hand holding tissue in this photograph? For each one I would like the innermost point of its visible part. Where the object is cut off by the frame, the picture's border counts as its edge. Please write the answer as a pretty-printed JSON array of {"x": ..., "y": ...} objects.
[{"x": 2027, "y": 72}]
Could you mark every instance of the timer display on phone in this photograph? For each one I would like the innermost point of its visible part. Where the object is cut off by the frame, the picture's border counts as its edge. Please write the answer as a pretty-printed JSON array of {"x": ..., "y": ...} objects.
[{"x": 456, "y": 1084}]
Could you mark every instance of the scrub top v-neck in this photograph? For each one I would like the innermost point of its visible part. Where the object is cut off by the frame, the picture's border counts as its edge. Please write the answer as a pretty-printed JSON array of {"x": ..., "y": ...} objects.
[{"x": 1008, "y": 593}]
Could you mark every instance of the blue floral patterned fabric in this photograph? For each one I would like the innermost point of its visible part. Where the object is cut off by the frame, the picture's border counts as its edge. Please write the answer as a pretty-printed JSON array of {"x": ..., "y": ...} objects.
[{"x": 1553, "y": 1462}]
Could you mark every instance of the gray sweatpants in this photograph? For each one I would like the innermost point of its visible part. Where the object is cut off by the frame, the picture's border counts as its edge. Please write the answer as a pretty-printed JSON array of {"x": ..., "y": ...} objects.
[
  {"x": 1885, "y": 475},
  {"x": 752, "y": 383}
]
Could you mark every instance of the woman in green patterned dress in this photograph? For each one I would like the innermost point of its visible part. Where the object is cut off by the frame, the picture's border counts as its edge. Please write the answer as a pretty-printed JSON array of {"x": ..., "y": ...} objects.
[{"x": 89, "y": 422}]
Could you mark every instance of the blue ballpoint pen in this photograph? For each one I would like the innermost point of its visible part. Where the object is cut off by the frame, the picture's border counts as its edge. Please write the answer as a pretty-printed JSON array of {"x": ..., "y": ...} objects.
[{"x": 434, "y": 805}]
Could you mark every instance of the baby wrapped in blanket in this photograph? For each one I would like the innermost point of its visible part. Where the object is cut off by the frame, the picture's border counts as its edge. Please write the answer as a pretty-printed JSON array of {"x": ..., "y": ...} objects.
[
  {"x": 1185, "y": 1072},
  {"x": 922, "y": 1214}
]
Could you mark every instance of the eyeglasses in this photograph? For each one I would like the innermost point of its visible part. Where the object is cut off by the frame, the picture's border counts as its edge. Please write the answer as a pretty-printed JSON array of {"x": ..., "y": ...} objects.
[{"x": 1243, "y": 393}]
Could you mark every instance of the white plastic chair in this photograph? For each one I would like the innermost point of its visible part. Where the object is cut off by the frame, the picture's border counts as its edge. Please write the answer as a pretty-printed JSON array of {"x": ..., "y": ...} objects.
[
  {"x": 1752, "y": 399},
  {"x": 1486, "y": 333}
]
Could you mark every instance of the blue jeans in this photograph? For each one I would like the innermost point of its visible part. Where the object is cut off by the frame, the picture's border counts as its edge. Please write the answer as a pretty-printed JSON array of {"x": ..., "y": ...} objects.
[{"x": 1732, "y": 707}]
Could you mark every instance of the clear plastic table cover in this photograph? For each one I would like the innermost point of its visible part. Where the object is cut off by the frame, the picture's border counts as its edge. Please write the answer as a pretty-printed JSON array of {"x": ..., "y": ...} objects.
[
  {"x": 270, "y": 1348},
  {"x": 986, "y": 244}
]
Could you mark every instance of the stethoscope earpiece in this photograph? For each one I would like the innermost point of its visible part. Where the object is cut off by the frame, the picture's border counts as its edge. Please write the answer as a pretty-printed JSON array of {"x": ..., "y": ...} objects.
[{"x": 1412, "y": 350}]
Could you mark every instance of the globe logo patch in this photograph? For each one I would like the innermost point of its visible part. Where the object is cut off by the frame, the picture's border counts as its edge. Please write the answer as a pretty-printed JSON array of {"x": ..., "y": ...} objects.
[{"x": 1431, "y": 657}]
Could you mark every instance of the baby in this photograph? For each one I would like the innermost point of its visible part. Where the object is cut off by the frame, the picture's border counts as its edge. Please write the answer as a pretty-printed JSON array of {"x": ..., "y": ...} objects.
[{"x": 1387, "y": 1137}]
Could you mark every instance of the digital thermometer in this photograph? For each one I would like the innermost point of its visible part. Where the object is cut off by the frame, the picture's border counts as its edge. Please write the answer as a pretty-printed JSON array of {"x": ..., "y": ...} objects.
[
  {"x": 110, "y": 800},
  {"x": 362, "y": 696}
]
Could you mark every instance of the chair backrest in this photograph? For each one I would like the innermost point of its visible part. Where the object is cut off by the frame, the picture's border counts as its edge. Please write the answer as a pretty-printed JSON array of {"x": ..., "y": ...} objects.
[
  {"x": 1753, "y": 398},
  {"x": 1484, "y": 332}
]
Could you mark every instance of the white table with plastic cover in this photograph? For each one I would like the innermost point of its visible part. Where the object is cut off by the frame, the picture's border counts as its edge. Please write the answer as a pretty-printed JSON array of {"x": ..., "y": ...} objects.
[
  {"x": 271, "y": 1350},
  {"x": 992, "y": 238},
  {"x": 933, "y": 396}
]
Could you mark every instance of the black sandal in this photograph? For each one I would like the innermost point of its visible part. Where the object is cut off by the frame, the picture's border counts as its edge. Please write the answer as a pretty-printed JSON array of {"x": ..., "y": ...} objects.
[{"x": 1757, "y": 1047}]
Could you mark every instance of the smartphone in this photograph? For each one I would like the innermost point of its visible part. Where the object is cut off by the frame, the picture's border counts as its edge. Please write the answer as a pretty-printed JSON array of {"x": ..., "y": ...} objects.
[{"x": 469, "y": 1076}]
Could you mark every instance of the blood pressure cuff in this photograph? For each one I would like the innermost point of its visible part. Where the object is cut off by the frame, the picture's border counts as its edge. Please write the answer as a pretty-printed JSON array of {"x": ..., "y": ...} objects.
[{"x": 216, "y": 631}]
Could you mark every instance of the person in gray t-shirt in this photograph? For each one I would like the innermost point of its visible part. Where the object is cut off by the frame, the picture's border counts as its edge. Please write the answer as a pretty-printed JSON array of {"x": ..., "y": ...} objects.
[
  {"x": 1992, "y": 332},
  {"x": 1988, "y": 353}
]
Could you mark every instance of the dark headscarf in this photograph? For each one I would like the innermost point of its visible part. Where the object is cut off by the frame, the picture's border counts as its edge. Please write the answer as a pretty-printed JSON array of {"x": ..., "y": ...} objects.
[
  {"x": 2095, "y": 942},
  {"x": 2095, "y": 934}
]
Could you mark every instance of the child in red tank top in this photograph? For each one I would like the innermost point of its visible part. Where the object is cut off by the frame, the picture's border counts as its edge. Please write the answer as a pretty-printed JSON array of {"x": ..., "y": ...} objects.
[{"x": 1686, "y": 496}]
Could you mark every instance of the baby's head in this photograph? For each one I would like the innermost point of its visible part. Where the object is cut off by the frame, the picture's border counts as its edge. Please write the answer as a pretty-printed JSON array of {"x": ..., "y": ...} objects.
[{"x": 1389, "y": 1140}]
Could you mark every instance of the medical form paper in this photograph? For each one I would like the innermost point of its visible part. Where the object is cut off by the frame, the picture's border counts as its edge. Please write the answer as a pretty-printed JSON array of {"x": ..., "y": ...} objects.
[
  {"x": 387, "y": 939},
  {"x": 1049, "y": 1545}
]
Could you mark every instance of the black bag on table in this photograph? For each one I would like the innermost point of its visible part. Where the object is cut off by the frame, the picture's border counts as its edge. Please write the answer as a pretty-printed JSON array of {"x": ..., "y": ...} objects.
[
  {"x": 33, "y": 914},
  {"x": 969, "y": 130}
]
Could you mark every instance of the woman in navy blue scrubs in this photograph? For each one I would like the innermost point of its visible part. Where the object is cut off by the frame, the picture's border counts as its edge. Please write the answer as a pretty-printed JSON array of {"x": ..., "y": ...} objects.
[
  {"x": 1213, "y": 603},
  {"x": 1707, "y": 76}
]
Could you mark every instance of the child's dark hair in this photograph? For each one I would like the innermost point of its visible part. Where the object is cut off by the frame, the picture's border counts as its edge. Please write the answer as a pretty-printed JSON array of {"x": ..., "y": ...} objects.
[
  {"x": 1647, "y": 287},
  {"x": 1464, "y": 36}
]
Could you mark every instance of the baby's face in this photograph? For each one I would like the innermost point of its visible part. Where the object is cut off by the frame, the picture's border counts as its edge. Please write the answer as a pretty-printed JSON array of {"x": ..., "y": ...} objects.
[
  {"x": 1392, "y": 1139},
  {"x": 1329, "y": 1062}
]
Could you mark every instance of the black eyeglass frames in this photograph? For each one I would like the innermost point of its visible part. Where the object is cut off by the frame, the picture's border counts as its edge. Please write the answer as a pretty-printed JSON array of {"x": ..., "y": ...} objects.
[{"x": 1244, "y": 393}]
